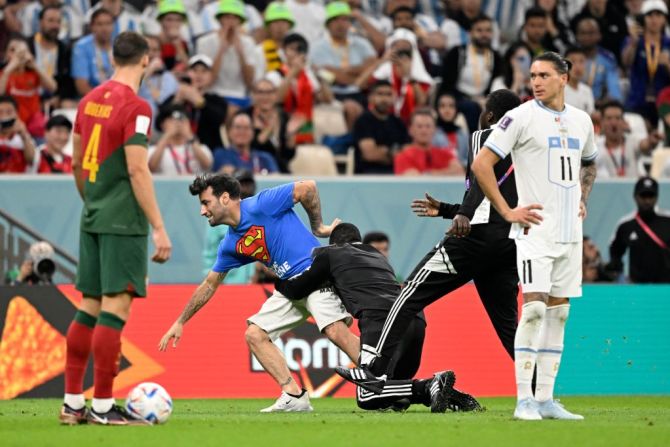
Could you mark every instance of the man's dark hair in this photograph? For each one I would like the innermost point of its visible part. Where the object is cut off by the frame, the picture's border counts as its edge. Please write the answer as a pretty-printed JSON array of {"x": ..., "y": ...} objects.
[
  {"x": 400, "y": 9},
  {"x": 48, "y": 8},
  {"x": 59, "y": 121},
  {"x": 500, "y": 102},
  {"x": 220, "y": 183},
  {"x": 129, "y": 48},
  {"x": 534, "y": 12},
  {"x": 345, "y": 233},
  {"x": 98, "y": 12},
  {"x": 611, "y": 104},
  {"x": 573, "y": 50},
  {"x": 379, "y": 83},
  {"x": 561, "y": 65},
  {"x": 296, "y": 38},
  {"x": 480, "y": 18},
  {"x": 579, "y": 20},
  {"x": 8, "y": 99},
  {"x": 375, "y": 236}
]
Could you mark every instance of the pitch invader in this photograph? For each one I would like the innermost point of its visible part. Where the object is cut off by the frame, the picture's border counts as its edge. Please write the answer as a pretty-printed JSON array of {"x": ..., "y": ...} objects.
[{"x": 553, "y": 152}]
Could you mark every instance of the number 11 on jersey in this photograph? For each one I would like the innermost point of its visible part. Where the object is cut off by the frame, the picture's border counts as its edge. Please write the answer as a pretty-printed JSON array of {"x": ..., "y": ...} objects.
[{"x": 91, "y": 154}]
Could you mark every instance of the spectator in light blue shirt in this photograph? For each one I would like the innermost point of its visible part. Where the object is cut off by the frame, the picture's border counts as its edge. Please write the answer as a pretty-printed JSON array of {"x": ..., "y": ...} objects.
[
  {"x": 239, "y": 154},
  {"x": 92, "y": 55},
  {"x": 602, "y": 72},
  {"x": 159, "y": 84}
]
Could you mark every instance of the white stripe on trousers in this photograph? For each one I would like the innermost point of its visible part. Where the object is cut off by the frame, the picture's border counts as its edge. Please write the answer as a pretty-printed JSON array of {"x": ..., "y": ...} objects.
[
  {"x": 397, "y": 305},
  {"x": 403, "y": 391}
]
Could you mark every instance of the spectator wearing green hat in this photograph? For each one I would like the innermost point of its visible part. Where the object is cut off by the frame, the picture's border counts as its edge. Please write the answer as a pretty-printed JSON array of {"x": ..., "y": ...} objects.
[
  {"x": 253, "y": 25},
  {"x": 278, "y": 21},
  {"x": 189, "y": 22},
  {"x": 309, "y": 18},
  {"x": 233, "y": 54},
  {"x": 346, "y": 56},
  {"x": 174, "y": 49}
]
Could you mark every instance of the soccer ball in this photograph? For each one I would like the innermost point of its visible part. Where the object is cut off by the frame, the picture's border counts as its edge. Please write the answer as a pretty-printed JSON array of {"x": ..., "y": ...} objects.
[{"x": 149, "y": 401}]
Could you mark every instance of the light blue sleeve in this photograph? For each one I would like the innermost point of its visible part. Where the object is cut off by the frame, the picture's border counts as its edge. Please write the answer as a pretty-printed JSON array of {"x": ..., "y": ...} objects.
[
  {"x": 80, "y": 66},
  {"x": 613, "y": 86}
]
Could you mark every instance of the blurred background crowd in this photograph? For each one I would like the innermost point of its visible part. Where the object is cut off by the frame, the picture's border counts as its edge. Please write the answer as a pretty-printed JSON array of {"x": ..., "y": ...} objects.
[{"x": 309, "y": 87}]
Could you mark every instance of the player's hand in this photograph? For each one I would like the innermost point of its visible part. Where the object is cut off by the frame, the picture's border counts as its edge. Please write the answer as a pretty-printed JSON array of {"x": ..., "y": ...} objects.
[
  {"x": 582, "y": 210},
  {"x": 175, "y": 331},
  {"x": 162, "y": 244},
  {"x": 460, "y": 226},
  {"x": 325, "y": 230},
  {"x": 524, "y": 215},
  {"x": 426, "y": 208}
]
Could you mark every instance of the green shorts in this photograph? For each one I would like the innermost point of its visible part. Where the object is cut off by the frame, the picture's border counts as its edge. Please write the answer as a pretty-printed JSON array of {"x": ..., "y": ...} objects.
[{"x": 111, "y": 264}]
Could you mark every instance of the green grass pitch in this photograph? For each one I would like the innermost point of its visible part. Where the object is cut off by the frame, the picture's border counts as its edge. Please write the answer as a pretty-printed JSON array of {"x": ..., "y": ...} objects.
[{"x": 610, "y": 421}]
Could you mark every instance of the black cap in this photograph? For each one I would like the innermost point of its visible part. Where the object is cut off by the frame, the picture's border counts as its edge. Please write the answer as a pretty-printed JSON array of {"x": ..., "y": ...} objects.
[
  {"x": 176, "y": 111},
  {"x": 59, "y": 120},
  {"x": 646, "y": 185}
]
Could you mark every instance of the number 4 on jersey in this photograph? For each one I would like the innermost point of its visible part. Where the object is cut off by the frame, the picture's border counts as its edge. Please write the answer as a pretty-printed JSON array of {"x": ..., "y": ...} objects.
[{"x": 91, "y": 155}]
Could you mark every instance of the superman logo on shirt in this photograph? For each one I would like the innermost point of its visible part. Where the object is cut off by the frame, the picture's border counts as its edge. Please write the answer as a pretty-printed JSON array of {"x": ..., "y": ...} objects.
[{"x": 253, "y": 244}]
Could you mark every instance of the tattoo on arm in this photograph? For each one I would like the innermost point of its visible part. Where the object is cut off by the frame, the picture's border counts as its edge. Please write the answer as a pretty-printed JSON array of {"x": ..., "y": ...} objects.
[
  {"x": 202, "y": 294},
  {"x": 312, "y": 204},
  {"x": 587, "y": 175}
]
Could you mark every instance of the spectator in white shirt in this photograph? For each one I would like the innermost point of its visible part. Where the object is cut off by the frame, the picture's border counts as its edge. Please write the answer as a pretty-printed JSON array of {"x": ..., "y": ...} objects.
[
  {"x": 232, "y": 52},
  {"x": 178, "y": 151},
  {"x": 577, "y": 93}
]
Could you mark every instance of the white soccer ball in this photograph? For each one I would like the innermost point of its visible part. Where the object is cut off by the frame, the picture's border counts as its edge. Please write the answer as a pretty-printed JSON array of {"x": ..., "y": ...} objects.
[{"x": 149, "y": 401}]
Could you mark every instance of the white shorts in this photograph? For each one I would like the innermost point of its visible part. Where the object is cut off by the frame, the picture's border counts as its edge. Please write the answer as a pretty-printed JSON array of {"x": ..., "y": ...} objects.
[
  {"x": 279, "y": 314},
  {"x": 550, "y": 267}
]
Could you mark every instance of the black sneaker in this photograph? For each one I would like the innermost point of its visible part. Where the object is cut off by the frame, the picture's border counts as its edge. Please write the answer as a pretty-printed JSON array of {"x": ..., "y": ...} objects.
[
  {"x": 363, "y": 378},
  {"x": 117, "y": 415},
  {"x": 460, "y": 401},
  {"x": 70, "y": 416},
  {"x": 441, "y": 389}
]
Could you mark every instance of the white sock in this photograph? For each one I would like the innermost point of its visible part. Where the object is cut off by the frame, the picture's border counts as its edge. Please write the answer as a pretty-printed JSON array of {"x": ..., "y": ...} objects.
[
  {"x": 526, "y": 342},
  {"x": 102, "y": 405},
  {"x": 550, "y": 351},
  {"x": 75, "y": 401}
]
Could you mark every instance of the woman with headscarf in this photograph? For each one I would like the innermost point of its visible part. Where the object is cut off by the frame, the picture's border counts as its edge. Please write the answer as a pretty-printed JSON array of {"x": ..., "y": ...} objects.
[{"x": 403, "y": 67}]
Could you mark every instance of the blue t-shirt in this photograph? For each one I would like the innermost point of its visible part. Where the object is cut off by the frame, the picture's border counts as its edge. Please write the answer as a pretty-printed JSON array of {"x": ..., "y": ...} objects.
[
  {"x": 90, "y": 63},
  {"x": 269, "y": 232}
]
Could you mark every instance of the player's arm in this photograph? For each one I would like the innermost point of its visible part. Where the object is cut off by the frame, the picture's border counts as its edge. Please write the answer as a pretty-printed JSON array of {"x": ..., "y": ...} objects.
[
  {"x": 587, "y": 175},
  {"x": 308, "y": 281},
  {"x": 200, "y": 297},
  {"x": 587, "y": 171},
  {"x": 76, "y": 163},
  {"x": 482, "y": 167},
  {"x": 306, "y": 193},
  {"x": 143, "y": 189},
  {"x": 431, "y": 207}
]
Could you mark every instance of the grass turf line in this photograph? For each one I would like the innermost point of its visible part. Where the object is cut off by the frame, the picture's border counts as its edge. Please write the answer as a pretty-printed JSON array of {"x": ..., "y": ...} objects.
[{"x": 610, "y": 421}]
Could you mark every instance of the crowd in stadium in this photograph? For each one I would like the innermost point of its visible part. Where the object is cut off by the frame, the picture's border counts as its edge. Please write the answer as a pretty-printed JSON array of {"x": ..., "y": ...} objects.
[{"x": 400, "y": 83}]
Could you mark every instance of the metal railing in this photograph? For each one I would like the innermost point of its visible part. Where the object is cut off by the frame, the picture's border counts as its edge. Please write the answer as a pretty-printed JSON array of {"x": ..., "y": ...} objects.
[{"x": 15, "y": 240}]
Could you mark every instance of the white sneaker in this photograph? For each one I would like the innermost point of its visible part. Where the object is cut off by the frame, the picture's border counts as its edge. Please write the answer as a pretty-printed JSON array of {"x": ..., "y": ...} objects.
[
  {"x": 287, "y": 403},
  {"x": 553, "y": 409},
  {"x": 526, "y": 410}
]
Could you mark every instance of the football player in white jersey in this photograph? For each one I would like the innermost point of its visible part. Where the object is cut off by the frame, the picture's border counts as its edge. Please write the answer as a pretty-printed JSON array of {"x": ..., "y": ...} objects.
[{"x": 553, "y": 153}]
